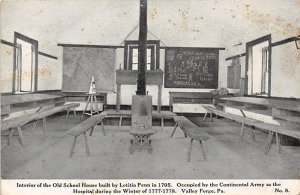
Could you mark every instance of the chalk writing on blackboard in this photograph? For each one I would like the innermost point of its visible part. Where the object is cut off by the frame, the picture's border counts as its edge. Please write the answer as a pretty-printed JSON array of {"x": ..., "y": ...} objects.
[{"x": 191, "y": 68}]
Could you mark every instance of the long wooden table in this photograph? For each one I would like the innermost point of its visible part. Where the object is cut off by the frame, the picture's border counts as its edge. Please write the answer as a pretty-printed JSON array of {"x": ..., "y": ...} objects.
[
  {"x": 285, "y": 109},
  {"x": 285, "y": 112},
  {"x": 15, "y": 103}
]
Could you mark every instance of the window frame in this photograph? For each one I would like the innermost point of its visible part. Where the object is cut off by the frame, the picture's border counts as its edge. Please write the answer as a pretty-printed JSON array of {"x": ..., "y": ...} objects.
[
  {"x": 249, "y": 46},
  {"x": 133, "y": 44},
  {"x": 34, "y": 54}
]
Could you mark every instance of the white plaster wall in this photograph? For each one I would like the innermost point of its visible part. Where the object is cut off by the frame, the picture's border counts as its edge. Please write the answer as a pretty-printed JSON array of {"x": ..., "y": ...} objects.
[{"x": 189, "y": 23}]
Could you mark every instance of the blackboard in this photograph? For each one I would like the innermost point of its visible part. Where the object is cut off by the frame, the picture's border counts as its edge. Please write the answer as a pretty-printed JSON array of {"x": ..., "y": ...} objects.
[
  {"x": 81, "y": 63},
  {"x": 191, "y": 68}
]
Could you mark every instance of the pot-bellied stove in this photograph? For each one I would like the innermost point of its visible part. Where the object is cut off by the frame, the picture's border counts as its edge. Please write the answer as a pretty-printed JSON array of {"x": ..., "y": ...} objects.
[{"x": 141, "y": 123}]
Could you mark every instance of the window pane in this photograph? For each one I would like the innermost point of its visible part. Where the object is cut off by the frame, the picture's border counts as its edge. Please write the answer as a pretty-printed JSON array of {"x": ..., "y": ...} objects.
[
  {"x": 135, "y": 52},
  {"x": 134, "y": 66},
  {"x": 135, "y": 59}
]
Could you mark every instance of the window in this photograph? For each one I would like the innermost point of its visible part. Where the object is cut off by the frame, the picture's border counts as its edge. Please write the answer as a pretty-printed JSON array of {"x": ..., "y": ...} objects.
[
  {"x": 131, "y": 55},
  {"x": 258, "y": 55},
  {"x": 134, "y": 59},
  {"x": 25, "y": 64}
]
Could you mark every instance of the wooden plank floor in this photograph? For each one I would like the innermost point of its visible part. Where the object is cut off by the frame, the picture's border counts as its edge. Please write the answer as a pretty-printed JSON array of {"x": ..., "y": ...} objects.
[{"x": 228, "y": 158}]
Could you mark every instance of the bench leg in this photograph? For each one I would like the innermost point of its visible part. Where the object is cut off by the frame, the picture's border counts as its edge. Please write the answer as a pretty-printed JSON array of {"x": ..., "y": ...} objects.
[
  {"x": 73, "y": 146},
  {"x": 202, "y": 150},
  {"x": 211, "y": 116},
  {"x": 175, "y": 127},
  {"x": 205, "y": 116},
  {"x": 68, "y": 113},
  {"x": 252, "y": 134},
  {"x": 242, "y": 132},
  {"x": 86, "y": 144},
  {"x": 278, "y": 143},
  {"x": 269, "y": 142},
  {"x": 20, "y": 135},
  {"x": 10, "y": 136},
  {"x": 34, "y": 128},
  {"x": 103, "y": 130},
  {"x": 190, "y": 151},
  {"x": 44, "y": 126},
  {"x": 74, "y": 113},
  {"x": 91, "y": 132},
  {"x": 162, "y": 124},
  {"x": 120, "y": 123}
]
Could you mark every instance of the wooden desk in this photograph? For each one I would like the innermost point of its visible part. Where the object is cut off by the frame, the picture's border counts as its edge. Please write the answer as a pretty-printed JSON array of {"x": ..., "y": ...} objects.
[
  {"x": 190, "y": 98},
  {"x": 291, "y": 105},
  {"x": 128, "y": 77},
  {"x": 15, "y": 103},
  {"x": 285, "y": 109}
]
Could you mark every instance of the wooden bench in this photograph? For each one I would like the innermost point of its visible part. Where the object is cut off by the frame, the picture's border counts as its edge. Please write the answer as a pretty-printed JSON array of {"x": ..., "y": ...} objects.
[
  {"x": 127, "y": 114},
  {"x": 42, "y": 115},
  {"x": 17, "y": 123},
  {"x": 191, "y": 130},
  {"x": 85, "y": 126},
  {"x": 13, "y": 124},
  {"x": 285, "y": 129}
]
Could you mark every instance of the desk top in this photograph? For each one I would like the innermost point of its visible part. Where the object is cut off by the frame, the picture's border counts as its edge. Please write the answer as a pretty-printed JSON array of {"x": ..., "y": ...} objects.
[
  {"x": 24, "y": 98},
  {"x": 292, "y": 105}
]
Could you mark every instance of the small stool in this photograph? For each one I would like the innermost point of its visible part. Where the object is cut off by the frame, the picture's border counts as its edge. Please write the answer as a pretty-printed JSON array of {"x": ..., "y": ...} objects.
[{"x": 141, "y": 140}]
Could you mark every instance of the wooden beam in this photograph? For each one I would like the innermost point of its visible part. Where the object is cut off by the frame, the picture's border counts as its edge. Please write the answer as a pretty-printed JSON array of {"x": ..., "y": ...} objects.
[
  {"x": 284, "y": 41},
  {"x": 89, "y": 46},
  {"x": 236, "y": 56},
  {"x": 216, "y": 48},
  {"x": 7, "y": 43},
  {"x": 47, "y": 55},
  {"x": 39, "y": 52}
]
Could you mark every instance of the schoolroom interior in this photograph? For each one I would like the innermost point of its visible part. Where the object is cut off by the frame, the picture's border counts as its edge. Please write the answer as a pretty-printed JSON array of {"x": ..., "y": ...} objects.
[{"x": 150, "y": 89}]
